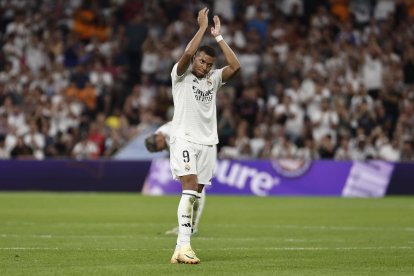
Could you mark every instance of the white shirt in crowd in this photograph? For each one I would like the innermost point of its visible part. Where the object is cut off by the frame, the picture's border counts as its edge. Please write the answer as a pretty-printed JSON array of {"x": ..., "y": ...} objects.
[
  {"x": 85, "y": 149},
  {"x": 372, "y": 71},
  {"x": 326, "y": 119}
]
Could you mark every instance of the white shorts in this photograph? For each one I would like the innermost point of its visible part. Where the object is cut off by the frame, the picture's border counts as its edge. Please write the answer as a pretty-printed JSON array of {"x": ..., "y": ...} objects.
[{"x": 190, "y": 158}]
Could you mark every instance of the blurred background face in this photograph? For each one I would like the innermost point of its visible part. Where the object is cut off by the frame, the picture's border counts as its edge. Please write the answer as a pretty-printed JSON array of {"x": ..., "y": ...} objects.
[{"x": 202, "y": 64}]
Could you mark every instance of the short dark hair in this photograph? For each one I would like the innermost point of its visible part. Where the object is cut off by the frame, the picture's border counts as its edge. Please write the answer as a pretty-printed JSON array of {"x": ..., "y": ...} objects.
[
  {"x": 208, "y": 50},
  {"x": 151, "y": 143}
]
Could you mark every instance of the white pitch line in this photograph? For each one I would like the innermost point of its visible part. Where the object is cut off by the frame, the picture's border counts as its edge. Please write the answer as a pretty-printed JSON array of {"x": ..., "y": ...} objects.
[
  {"x": 29, "y": 248},
  {"x": 26, "y": 236},
  {"x": 95, "y": 237},
  {"x": 101, "y": 224},
  {"x": 214, "y": 249},
  {"x": 3, "y": 235},
  {"x": 273, "y": 226},
  {"x": 164, "y": 237},
  {"x": 319, "y": 227},
  {"x": 168, "y": 237}
]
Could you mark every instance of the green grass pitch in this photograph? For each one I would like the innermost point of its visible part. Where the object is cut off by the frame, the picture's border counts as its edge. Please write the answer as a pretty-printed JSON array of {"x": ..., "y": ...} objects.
[{"x": 123, "y": 234}]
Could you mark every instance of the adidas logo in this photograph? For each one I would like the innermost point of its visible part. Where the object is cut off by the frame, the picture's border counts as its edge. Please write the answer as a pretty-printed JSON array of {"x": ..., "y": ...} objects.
[{"x": 186, "y": 224}]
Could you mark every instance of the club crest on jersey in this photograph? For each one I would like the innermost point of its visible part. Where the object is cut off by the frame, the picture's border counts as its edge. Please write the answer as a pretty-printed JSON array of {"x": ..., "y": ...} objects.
[
  {"x": 209, "y": 82},
  {"x": 187, "y": 167}
]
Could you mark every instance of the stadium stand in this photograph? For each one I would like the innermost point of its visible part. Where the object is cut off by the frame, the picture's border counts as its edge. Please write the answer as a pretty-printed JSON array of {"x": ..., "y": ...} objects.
[{"x": 320, "y": 79}]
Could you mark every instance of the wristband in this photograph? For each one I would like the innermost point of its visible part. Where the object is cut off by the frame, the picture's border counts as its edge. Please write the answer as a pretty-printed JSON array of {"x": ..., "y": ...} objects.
[{"x": 219, "y": 38}]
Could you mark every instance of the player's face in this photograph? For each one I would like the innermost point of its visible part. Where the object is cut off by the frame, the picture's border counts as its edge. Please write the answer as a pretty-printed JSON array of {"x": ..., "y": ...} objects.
[
  {"x": 160, "y": 142},
  {"x": 202, "y": 64}
]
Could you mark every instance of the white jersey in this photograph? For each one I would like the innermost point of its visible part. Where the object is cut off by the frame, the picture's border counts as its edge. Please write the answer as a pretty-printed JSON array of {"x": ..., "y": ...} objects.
[
  {"x": 165, "y": 130},
  {"x": 195, "y": 115}
]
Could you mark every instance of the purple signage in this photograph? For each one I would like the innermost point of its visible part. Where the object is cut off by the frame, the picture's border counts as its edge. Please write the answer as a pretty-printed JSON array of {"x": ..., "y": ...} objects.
[
  {"x": 282, "y": 177},
  {"x": 72, "y": 175}
]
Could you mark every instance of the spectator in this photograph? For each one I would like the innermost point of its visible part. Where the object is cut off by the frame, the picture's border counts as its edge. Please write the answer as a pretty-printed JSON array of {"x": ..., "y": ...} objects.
[
  {"x": 324, "y": 121},
  {"x": 247, "y": 106},
  {"x": 372, "y": 70},
  {"x": 308, "y": 151},
  {"x": 257, "y": 142},
  {"x": 343, "y": 152},
  {"x": 96, "y": 136},
  {"x": 113, "y": 143},
  {"x": 407, "y": 151},
  {"x": 21, "y": 150},
  {"x": 284, "y": 149},
  {"x": 390, "y": 151},
  {"x": 326, "y": 148},
  {"x": 409, "y": 65},
  {"x": 226, "y": 126},
  {"x": 4, "y": 153},
  {"x": 362, "y": 149},
  {"x": 137, "y": 32},
  {"x": 35, "y": 140},
  {"x": 291, "y": 116},
  {"x": 85, "y": 149}
]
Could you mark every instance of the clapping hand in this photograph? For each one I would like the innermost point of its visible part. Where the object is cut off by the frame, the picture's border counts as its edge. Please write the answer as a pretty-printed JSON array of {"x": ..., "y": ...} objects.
[
  {"x": 202, "y": 18},
  {"x": 215, "y": 31}
]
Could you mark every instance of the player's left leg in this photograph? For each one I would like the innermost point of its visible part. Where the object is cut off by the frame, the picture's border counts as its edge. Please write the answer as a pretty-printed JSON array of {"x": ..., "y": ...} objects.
[
  {"x": 205, "y": 166},
  {"x": 198, "y": 208}
]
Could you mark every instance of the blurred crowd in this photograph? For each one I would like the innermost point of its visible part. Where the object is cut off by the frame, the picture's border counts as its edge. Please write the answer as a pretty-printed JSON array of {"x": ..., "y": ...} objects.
[{"x": 329, "y": 79}]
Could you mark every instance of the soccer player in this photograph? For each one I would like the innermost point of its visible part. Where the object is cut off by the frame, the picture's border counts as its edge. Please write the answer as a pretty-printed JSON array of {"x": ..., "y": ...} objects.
[
  {"x": 159, "y": 141},
  {"x": 194, "y": 126}
]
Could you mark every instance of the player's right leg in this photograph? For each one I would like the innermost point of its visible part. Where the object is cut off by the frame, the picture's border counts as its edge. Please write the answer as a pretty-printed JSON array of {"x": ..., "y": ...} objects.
[
  {"x": 198, "y": 208},
  {"x": 183, "y": 165},
  {"x": 185, "y": 208}
]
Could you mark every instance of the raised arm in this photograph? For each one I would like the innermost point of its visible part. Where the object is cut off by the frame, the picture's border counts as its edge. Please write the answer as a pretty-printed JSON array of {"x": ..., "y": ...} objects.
[
  {"x": 193, "y": 45},
  {"x": 233, "y": 63}
]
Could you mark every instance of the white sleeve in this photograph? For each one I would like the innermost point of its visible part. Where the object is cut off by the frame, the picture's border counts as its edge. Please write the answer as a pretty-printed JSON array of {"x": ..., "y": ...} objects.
[
  {"x": 218, "y": 77},
  {"x": 164, "y": 129},
  {"x": 174, "y": 76}
]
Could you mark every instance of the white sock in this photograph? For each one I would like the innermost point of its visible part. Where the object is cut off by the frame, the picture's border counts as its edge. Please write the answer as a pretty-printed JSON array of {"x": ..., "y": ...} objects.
[
  {"x": 185, "y": 208},
  {"x": 198, "y": 208}
]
